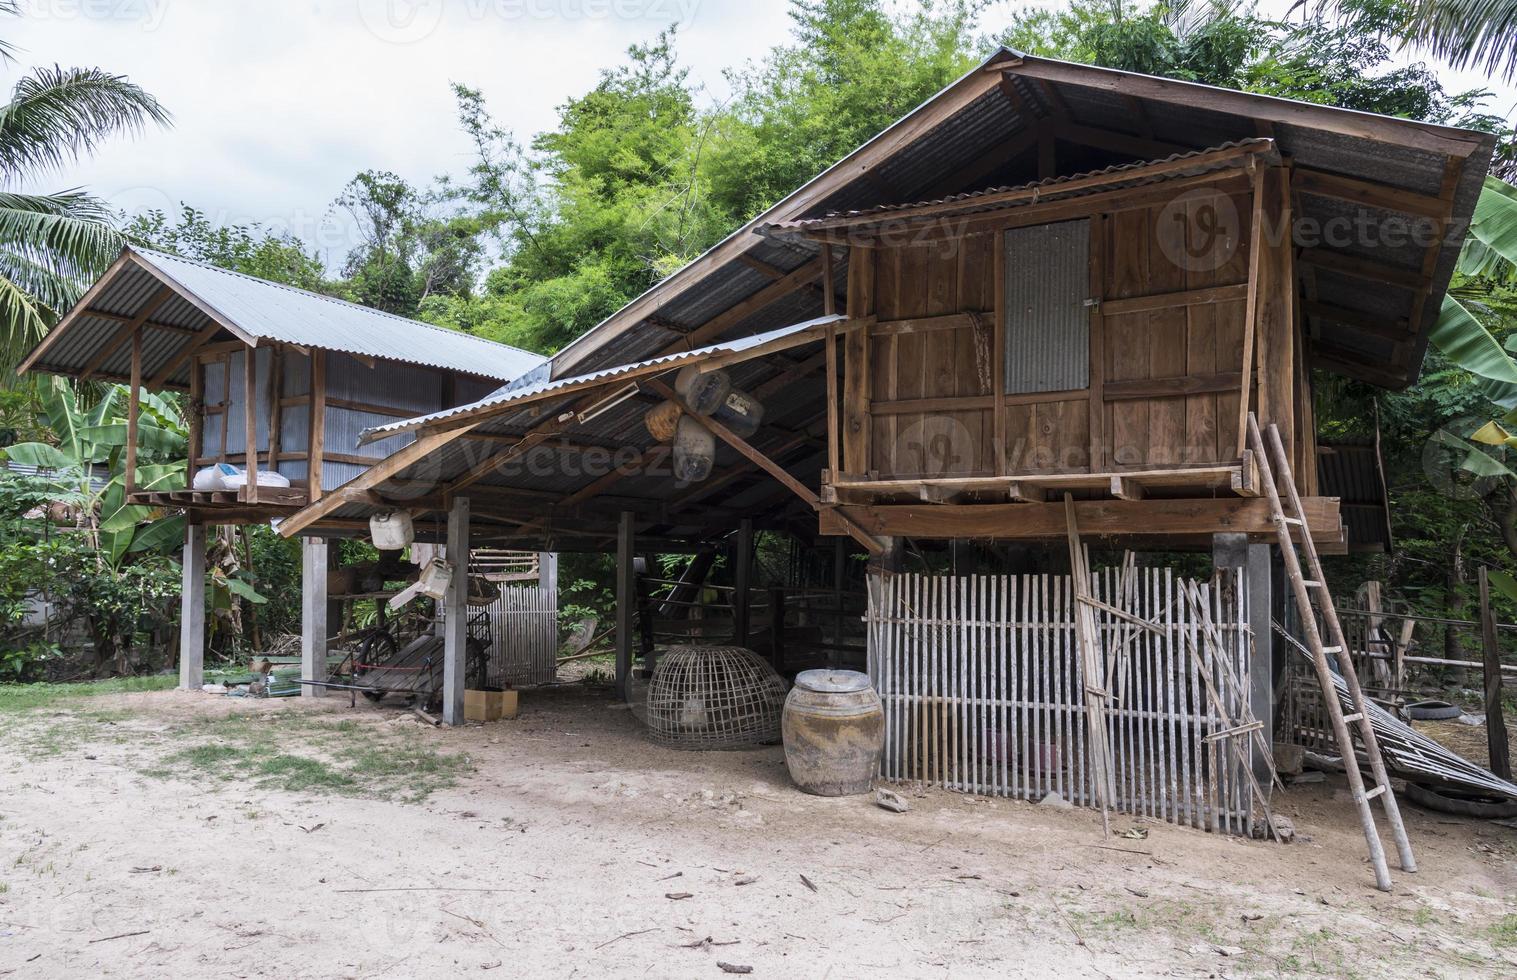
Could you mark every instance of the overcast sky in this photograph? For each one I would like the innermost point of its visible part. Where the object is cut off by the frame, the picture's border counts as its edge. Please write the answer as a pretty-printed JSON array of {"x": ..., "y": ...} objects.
[{"x": 277, "y": 103}]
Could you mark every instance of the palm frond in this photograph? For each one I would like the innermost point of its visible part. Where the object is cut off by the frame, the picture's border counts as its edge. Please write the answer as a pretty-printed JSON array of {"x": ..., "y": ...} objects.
[
  {"x": 51, "y": 246},
  {"x": 57, "y": 115},
  {"x": 68, "y": 232},
  {"x": 1469, "y": 33}
]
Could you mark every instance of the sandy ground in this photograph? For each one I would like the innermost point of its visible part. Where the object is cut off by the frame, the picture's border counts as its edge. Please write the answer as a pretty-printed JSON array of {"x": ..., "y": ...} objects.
[{"x": 564, "y": 850}]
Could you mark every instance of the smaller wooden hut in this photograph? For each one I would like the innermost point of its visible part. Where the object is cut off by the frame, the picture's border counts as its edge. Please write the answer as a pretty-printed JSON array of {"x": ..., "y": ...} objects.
[{"x": 319, "y": 370}]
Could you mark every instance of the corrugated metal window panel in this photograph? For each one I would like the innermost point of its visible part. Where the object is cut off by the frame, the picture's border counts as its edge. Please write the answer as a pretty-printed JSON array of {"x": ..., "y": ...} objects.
[
  {"x": 236, "y": 426},
  {"x": 296, "y": 368},
  {"x": 214, "y": 390},
  {"x": 334, "y": 475},
  {"x": 1047, "y": 320},
  {"x": 402, "y": 386},
  {"x": 295, "y": 429},
  {"x": 343, "y": 426}
]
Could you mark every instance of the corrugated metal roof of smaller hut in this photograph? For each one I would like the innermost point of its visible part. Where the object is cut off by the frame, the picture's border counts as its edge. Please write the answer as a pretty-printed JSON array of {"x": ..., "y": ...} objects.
[
  {"x": 256, "y": 310},
  {"x": 504, "y": 399}
]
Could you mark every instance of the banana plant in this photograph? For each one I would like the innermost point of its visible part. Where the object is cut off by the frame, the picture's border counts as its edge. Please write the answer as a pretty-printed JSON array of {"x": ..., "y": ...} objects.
[{"x": 97, "y": 437}]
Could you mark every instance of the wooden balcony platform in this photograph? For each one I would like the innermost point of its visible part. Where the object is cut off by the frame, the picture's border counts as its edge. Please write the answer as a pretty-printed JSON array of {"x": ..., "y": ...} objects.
[
  {"x": 275, "y": 499},
  {"x": 1237, "y": 480}
]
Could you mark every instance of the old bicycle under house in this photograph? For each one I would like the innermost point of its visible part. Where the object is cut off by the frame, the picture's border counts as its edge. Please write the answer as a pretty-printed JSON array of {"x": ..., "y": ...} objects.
[{"x": 320, "y": 370}]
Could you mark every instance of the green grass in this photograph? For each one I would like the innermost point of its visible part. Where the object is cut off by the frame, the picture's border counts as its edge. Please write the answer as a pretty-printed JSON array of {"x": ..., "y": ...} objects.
[
  {"x": 343, "y": 758},
  {"x": 16, "y": 698},
  {"x": 1504, "y": 931}
]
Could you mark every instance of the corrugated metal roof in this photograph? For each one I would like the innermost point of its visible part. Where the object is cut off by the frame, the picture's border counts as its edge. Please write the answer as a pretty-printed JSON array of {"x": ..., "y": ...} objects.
[
  {"x": 208, "y": 297},
  {"x": 510, "y": 395},
  {"x": 1140, "y": 171},
  {"x": 274, "y": 311}
]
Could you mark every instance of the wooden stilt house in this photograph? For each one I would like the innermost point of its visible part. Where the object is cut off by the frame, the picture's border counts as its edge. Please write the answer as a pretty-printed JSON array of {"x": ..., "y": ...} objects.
[
  {"x": 319, "y": 371},
  {"x": 1040, "y": 309}
]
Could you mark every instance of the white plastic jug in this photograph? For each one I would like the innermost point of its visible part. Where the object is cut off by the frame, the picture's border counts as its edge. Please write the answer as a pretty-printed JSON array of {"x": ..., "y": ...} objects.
[{"x": 392, "y": 531}]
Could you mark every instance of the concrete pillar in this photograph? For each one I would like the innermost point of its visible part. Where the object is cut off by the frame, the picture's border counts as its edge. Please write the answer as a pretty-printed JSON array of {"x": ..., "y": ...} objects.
[
  {"x": 547, "y": 570},
  {"x": 192, "y": 610},
  {"x": 1260, "y": 578},
  {"x": 313, "y": 615},
  {"x": 456, "y": 624},
  {"x": 1235, "y": 551}
]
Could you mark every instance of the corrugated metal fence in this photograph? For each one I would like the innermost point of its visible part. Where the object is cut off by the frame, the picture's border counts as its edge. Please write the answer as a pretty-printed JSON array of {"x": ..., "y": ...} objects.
[
  {"x": 524, "y": 635},
  {"x": 980, "y": 679}
]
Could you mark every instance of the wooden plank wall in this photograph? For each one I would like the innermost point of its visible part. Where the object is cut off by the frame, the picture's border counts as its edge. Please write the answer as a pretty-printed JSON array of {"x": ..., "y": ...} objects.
[
  {"x": 1167, "y": 349},
  {"x": 931, "y": 381},
  {"x": 1172, "y": 345}
]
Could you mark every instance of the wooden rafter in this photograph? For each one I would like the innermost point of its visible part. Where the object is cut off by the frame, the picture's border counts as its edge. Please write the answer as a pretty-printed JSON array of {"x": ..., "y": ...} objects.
[
  {"x": 125, "y": 332},
  {"x": 186, "y": 352},
  {"x": 767, "y": 465}
]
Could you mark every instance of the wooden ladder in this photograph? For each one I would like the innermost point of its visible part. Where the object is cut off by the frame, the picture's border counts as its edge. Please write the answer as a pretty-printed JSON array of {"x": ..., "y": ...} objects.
[{"x": 1274, "y": 465}]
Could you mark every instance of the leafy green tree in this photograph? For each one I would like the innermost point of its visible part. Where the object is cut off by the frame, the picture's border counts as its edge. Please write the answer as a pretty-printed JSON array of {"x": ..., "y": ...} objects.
[
  {"x": 250, "y": 249},
  {"x": 52, "y": 245},
  {"x": 852, "y": 70}
]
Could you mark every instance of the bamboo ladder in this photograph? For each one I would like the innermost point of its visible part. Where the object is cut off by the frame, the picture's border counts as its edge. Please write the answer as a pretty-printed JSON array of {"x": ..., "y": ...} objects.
[{"x": 1302, "y": 587}]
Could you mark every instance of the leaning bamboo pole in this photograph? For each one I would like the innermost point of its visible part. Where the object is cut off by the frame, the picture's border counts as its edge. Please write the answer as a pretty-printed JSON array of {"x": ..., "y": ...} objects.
[{"x": 1092, "y": 676}]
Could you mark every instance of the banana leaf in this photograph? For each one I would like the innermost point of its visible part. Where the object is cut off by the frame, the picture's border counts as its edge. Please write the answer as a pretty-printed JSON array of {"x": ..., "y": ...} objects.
[
  {"x": 1494, "y": 228},
  {"x": 116, "y": 515},
  {"x": 164, "y": 534},
  {"x": 149, "y": 436},
  {"x": 1504, "y": 583},
  {"x": 1475, "y": 461},
  {"x": 1466, "y": 342},
  {"x": 40, "y": 454}
]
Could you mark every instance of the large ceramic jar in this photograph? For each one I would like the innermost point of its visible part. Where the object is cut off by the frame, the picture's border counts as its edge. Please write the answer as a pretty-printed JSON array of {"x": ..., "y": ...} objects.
[{"x": 834, "y": 729}]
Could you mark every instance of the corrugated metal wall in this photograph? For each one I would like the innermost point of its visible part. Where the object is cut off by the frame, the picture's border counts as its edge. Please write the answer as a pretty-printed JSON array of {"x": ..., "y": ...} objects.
[
  {"x": 408, "y": 389},
  {"x": 1047, "y": 322}
]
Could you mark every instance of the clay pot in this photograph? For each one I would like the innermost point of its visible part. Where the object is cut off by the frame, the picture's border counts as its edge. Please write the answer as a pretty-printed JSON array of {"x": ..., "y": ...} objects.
[{"x": 834, "y": 729}]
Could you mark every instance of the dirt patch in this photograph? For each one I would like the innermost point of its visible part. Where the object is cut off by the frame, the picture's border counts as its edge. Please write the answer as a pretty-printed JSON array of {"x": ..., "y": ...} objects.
[{"x": 565, "y": 839}]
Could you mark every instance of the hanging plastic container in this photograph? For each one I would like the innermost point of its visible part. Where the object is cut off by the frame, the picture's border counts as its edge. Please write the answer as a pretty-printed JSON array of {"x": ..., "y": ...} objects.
[
  {"x": 740, "y": 412},
  {"x": 392, "y": 531},
  {"x": 694, "y": 451},
  {"x": 662, "y": 420},
  {"x": 834, "y": 729},
  {"x": 435, "y": 578},
  {"x": 703, "y": 393}
]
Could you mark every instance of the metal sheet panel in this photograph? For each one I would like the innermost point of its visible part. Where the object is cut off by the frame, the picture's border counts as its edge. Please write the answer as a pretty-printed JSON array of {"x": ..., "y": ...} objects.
[
  {"x": 1047, "y": 322},
  {"x": 507, "y": 397},
  {"x": 275, "y": 311}
]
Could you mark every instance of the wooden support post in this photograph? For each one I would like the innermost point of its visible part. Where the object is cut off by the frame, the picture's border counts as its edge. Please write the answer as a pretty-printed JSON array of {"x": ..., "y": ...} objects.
[
  {"x": 742, "y": 561},
  {"x": 250, "y": 421},
  {"x": 777, "y": 629},
  {"x": 313, "y": 615},
  {"x": 645, "y": 614},
  {"x": 133, "y": 409},
  {"x": 195, "y": 412},
  {"x": 1495, "y": 724},
  {"x": 839, "y": 572},
  {"x": 318, "y": 438},
  {"x": 192, "y": 610},
  {"x": 626, "y": 596},
  {"x": 455, "y": 644}
]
